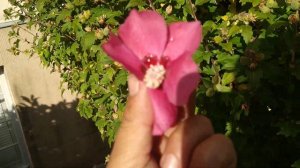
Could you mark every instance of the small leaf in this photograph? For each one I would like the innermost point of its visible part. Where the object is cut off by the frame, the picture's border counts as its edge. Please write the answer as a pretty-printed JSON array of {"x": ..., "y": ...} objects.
[
  {"x": 241, "y": 79},
  {"x": 227, "y": 46},
  {"x": 110, "y": 73},
  {"x": 40, "y": 5},
  {"x": 247, "y": 33},
  {"x": 264, "y": 9},
  {"x": 255, "y": 2},
  {"x": 201, "y": 2},
  {"x": 134, "y": 3},
  {"x": 233, "y": 30},
  {"x": 121, "y": 78},
  {"x": 180, "y": 2},
  {"x": 88, "y": 40},
  {"x": 295, "y": 4},
  {"x": 218, "y": 39},
  {"x": 228, "y": 78},
  {"x": 208, "y": 26},
  {"x": 84, "y": 87},
  {"x": 228, "y": 62},
  {"x": 208, "y": 71},
  {"x": 187, "y": 7},
  {"x": 223, "y": 89},
  {"x": 272, "y": 4},
  {"x": 210, "y": 92},
  {"x": 74, "y": 48}
]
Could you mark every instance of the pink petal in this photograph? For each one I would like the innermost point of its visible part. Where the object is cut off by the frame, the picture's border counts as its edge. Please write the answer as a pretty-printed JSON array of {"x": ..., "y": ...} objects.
[
  {"x": 183, "y": 37},
  {"x": 165, "y": 114},
  {"x": 116, "y": 49},
  {"x": 144, "y": 33},
  {"x": 181, "y": 80}
]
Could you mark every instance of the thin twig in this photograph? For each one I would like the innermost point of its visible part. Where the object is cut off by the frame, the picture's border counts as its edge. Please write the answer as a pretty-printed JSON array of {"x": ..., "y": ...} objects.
[
  {"x": 26, "y": 30},
  {"x": 70, "y": 37},
  {"x": 193, "y": 11},
  {"x": 151, "y": 4}
]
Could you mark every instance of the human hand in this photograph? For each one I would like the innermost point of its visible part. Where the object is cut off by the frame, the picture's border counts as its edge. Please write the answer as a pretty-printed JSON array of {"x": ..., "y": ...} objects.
[{"x": 191, "y": 143}]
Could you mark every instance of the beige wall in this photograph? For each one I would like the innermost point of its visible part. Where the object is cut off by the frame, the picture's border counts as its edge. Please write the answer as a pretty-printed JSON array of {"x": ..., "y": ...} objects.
[
  {"x": 3, "y": 5},
  {"x": 55, "y": 133},
  {"x": 28, "y": 77}
]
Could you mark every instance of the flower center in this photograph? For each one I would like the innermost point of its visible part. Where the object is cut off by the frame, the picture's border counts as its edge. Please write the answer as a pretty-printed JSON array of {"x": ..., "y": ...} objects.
[
  {"x": 154, "y": 76},
  {"x": 155, "y": 71}
]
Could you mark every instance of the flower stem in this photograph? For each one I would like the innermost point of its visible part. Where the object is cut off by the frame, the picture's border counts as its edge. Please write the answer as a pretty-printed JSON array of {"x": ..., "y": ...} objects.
[
  {"x": 151, "y": 4},
  {"x": 193, "y": 10}
]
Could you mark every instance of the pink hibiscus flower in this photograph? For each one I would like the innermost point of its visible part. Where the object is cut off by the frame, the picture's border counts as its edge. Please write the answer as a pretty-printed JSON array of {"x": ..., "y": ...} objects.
[{"x": 160, "y": 55}]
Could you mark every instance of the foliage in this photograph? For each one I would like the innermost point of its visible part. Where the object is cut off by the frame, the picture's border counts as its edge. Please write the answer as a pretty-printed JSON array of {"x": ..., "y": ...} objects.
[{"x": 249, "y": 61}]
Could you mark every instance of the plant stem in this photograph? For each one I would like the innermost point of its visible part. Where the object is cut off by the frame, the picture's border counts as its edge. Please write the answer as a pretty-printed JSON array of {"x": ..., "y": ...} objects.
[
  {"x": 151, "y": 4},
  {"x": 26, "y": 30},
  {"x": 193, "y": 11}
]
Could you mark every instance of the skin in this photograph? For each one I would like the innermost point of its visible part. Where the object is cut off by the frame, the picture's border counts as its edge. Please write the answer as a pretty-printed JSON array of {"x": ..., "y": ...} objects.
[{"x": 191, "y": 143}]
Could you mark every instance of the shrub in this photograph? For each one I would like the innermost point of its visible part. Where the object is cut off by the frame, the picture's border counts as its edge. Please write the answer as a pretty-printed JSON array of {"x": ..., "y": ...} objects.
[{"x": 249, "y": 61}]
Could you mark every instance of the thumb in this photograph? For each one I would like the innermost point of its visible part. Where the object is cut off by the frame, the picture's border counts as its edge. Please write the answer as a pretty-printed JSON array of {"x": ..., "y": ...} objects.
[
  {"x": 133, "y": 143},
  {"x": 138, "y": 110}
]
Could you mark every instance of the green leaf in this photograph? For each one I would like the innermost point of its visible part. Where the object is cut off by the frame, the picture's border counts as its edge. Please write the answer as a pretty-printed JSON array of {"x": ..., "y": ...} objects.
[
  {"x": 218, "y": 39},
  {"x": 228, "y": 129},
  {"x": 134, "y": 3},
  {"x": 254, "y": 2},
  {"x": 121, "y": 78},
  {"x": 247, "y": 33},
  {"x": 234, "y": 30},
  {"x": 295, "y": 4},
  {"x": 272, "y": 4},
  {"x": 40, "y": 5},
  {"x": 181, "y": 2},
  {"x": 206, "y": 82},
  {"x": 208, "y": 71},
  {"x": 63, "y": 15},
  {"x": 228, "y": 62},
  {"x": 88, "y": 40},
  {"x": 188, "y": 9},
  {"x": 265, "y": 9},
  {"x": 110, "y": 73},
  {"x": 201, "y": 2},
  {"x": 227, "y": 46},
  {"x": 74, "y": 48},
  {"x": 210, "y": 92},
  {"x": 208, "y": 26},
  {"x": 96, "y": 48},
  {"x": 223, "y": 89},
  {"x": 212, "y": 8},
  {"x": 84, "y": 87},
  {"x": 228, "y": 77},
  {"x": 67, "y": 26},
  {"x": 241, "y": 79}
]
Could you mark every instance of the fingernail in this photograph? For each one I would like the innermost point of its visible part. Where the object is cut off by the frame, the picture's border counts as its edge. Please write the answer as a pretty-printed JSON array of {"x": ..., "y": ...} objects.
[
  {"x": 133, "y": 85},
  {"x": 169, "y": 161}
]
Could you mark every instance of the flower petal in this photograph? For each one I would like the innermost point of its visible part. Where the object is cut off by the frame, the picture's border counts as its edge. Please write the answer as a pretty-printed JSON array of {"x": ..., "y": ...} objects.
[
  {"x": 181, "y": 80},
  {"x": 165, "y": 114},
  {"x": 183, "y": 37},
  {"x": 116, "y": 49},
  {"x": 144, "y": 33}
]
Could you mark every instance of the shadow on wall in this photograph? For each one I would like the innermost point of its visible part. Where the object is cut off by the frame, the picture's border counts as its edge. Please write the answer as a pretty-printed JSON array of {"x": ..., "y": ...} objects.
[{"x": 58, "y": 137}]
